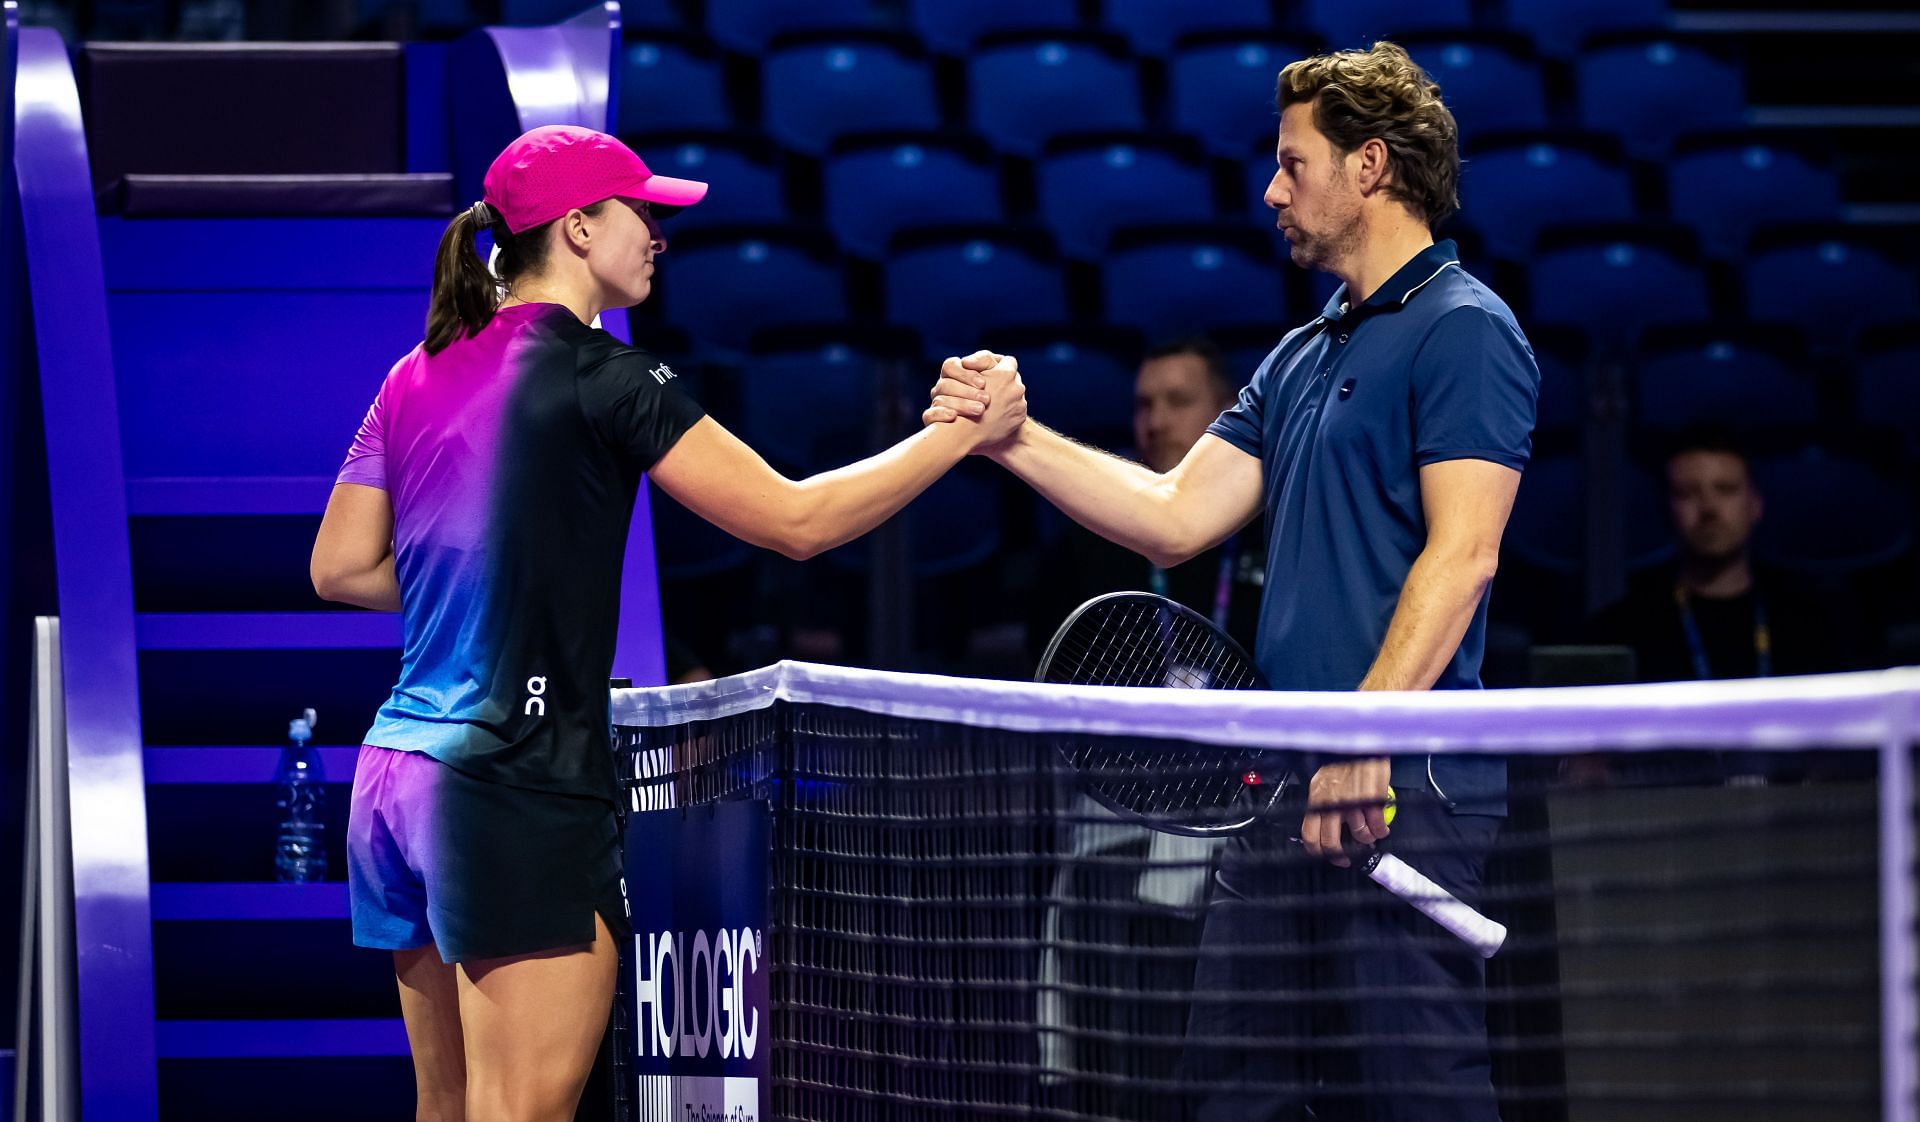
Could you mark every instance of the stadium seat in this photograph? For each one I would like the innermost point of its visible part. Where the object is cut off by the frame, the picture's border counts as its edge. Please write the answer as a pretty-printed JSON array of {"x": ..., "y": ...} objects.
[
  {"x": 665, "y": 87},
  {"x": 875, "y": 190},
  {"x": 956, "y": 290},
  {"x": 1358, "y": 23},
  {"x": 1221, "y": 93},
  {"x": 951, "y": 27},
  {"x": 688, "y": 547},
  {"x": 720, "y": 289},
  {"x": 1830, "y": 515},
  {"x": 1887, "y": 388},
  {"x": 1510, "y": 194},
  {"x": 1558, "y": 27},
  {"x": 1562, "y": 406},
  {"x": 816, "y": 92},
  {"x": 748, "y": 26},
  {"x": 1173, "y": 285},
  {"x": 746, "y": 184},
  {"x": 1079, "y": 381},
  {"x": 1649, "y": 94},
  {"x": 1153, "y": 27},
  {"x": 1725, "y": 192},
  {"x": 1087, "y": 191},
  {"x": 839, "y": 383},
  {"x": 1548, "y": 527},
  {"x": 1489, "y": 87},
  {"x": 953, "y": 526},
  {"x": 1830, "y": 290},
  {"x": 1025, "y": 93},
  {"x": 1743, "y": 380},
  {"x": 1613, "y": 290}
]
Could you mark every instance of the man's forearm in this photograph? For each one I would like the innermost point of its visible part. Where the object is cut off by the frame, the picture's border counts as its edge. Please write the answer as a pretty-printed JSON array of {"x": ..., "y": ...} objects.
[
  {"x": 1436, "y": 607},
  {"x": 1118, "y": 499}
]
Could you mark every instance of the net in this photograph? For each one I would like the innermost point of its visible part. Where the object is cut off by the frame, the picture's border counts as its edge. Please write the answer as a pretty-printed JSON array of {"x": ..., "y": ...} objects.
[{"x": 1708, "y": 891}]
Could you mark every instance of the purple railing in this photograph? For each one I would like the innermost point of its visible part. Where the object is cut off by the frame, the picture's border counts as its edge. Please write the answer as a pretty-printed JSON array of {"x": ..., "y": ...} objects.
[{"x": 113, "y": 935}]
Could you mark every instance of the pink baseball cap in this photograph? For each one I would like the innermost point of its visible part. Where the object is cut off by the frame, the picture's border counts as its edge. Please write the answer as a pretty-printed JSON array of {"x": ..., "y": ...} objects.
[{"x": 551, "y": 170}]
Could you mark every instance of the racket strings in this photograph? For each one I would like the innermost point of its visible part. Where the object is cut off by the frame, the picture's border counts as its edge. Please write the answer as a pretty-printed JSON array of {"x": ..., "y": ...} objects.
[{"x": 1142, "y": 641}]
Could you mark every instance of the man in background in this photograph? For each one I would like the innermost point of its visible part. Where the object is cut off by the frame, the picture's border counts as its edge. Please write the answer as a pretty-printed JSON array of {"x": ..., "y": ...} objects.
[
  {"x": 1714, "y": 613},
  {"x": 1180, "y": 389}
]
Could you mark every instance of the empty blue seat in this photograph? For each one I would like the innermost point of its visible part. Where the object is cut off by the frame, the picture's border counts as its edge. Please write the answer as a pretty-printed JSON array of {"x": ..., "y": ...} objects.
[
  {"x": 1222, "y": 94},
  {"x": 956, "y": 292},
  {"x": 952, "y": 27},
  {"x": 748, "y": 26},
  {"x": 1152, "y": 27},
  {"x": 1173, "y": 288},
  {"x": 1548, "y": 527},
  {"x": 1727, "y": 381},
  {"x": 665, "y": 87},
  {"x": 1021, "y": 95},
  {"x": 1510, "y": 194},
  {"x": 1614, "y": 290},
  {"x": 1649, "y": 94},
  {"x": 1089, "y": 192},
  {"x": 1348, "y": 24},
  {"x": 815, "y": 93},
  {"x": 1830, "y": 290},
  {"x": 876, "y": 191},
  {"x": 1827, "y": 514},
  {"x": 721, "y": 292},
  {"x": 838, "y": 383},
  {"x": 1489, "y": 88},
  {"x": 1725, "y": 192},
  {"x": 746, "y": 188},
  {"x": 689, "y": 547},
  {"x": 1260, "y": 169},
  {"x": 1558, "y": 27},
  {"x": 1887, "y": 392},
  {"x": 1082, "y": 389},
  {"x": 954, "y": 525},
  {"x": 1562, "y": 405}
]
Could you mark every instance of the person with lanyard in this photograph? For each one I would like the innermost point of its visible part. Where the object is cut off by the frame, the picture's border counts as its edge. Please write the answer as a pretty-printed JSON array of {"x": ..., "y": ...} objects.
[
  {"x": 1715, "y": 613},
  {"x": 1178, "y": 391},
  {"x": 487, "y": 498},
  {"x": 1383, "y": 442}
]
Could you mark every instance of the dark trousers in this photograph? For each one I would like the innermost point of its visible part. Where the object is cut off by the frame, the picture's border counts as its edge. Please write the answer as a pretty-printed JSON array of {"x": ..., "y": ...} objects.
[{"x": 1320, "y": 995}]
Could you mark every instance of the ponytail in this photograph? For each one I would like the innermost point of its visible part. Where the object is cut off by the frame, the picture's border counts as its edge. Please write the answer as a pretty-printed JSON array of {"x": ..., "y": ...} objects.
[{"x": 465, "y": 294}]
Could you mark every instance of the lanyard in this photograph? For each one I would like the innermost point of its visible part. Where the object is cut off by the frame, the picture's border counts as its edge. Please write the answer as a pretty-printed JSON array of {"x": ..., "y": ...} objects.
[
  {"x": 1697, "y": 646},
  {"x": 1222, "y": 584}
]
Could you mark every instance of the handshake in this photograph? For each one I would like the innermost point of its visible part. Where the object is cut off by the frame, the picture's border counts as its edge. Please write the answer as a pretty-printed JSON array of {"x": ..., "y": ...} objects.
[{"x": 982, "y": 389}]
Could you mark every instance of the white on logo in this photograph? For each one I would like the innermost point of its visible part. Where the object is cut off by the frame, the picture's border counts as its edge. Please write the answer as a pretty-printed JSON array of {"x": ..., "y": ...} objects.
[
  {"x": 537, "y": 704},
  {"x": 661, "y": 373}
]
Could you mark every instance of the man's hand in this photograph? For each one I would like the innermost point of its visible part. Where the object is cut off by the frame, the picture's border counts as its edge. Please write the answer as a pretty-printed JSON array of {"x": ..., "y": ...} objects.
[
  {"x": 1350, "y": 796},
  {"x": 1005, "y": 409},
  {"x": 968, "y": 388}
]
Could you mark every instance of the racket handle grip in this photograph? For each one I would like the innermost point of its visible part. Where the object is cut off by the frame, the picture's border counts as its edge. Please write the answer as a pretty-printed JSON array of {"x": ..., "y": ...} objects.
[{"x": 1443, "y": 907}]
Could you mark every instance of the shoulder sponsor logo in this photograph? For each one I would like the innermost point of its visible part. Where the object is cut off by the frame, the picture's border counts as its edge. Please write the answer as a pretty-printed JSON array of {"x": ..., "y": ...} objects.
[{"x": 662, "y": 373}]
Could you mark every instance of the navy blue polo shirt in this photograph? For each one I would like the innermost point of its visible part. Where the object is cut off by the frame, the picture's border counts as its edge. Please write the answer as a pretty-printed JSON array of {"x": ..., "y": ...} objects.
[{"x": 1343, "y": 415}]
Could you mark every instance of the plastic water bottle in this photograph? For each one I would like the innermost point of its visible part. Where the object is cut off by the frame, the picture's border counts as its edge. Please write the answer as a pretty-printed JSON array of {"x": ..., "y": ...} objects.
[{"x": 300, "y": 856}]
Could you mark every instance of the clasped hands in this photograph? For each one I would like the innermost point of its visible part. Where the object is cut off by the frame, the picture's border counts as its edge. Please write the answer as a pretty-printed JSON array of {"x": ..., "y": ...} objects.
[{"x": 983, "y": 387}]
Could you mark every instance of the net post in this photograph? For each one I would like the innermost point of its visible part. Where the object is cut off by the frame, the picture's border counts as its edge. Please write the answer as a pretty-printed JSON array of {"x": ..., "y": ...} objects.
[{"x": 1897, "y": 1015}]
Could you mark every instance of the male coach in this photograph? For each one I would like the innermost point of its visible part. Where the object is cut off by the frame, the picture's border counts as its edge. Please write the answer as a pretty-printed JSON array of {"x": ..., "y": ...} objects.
[{"x": 1384, "y": 443}]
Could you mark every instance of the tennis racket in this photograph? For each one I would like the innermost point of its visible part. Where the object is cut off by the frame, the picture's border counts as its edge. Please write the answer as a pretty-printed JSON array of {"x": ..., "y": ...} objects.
[{"x": 1139, "y": 639}]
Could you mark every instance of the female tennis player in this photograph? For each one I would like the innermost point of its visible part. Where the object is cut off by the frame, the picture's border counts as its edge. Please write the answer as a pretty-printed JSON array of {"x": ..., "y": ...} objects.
[{"x": 487, "y": 498}]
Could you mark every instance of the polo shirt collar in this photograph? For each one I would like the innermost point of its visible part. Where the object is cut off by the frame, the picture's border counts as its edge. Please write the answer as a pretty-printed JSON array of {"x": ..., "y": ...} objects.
[{"x": 1400, "y": 287}]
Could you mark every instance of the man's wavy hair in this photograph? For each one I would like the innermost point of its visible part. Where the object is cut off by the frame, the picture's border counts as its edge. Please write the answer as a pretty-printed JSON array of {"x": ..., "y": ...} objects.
[{"x": 1382, "y": 93}]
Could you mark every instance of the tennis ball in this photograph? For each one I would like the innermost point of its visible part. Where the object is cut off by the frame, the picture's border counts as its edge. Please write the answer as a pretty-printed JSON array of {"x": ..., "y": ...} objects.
[{"x": 1390, "y": 806}]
